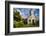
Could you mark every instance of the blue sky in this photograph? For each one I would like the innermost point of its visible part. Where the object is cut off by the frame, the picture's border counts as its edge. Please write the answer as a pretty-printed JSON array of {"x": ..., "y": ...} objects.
[{"x": 25, "y": 11}]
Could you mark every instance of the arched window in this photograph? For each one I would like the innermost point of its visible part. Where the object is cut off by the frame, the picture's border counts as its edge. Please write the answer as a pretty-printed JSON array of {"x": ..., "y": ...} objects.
[
  {"x": 29, "y": 20},
  {"x": 32, "y": 21}
]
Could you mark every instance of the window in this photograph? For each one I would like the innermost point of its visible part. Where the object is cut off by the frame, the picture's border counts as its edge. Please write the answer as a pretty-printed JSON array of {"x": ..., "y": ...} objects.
[{"x": 29, "y": 20}]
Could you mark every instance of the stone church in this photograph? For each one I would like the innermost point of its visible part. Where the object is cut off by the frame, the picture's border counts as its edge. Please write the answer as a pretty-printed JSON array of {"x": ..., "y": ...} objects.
[{"x": 32, "y": 18}]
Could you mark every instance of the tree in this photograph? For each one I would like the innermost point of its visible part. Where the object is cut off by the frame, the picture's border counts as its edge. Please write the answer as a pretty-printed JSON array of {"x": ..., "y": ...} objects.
[
  {"x": 17, "y": 16},
  {"x": 37, "y": 23}
]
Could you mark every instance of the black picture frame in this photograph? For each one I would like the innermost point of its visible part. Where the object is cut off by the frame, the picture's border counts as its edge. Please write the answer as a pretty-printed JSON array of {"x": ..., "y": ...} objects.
[{"x": 7, "y": 17}]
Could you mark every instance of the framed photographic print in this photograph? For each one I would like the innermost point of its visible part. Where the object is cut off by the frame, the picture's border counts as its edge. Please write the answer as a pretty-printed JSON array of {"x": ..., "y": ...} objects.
[{"x": 24, "y": 17}]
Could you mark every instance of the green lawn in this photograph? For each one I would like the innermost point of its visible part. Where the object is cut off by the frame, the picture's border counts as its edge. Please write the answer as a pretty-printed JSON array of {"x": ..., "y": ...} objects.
[{"x": 21, "y": 24}]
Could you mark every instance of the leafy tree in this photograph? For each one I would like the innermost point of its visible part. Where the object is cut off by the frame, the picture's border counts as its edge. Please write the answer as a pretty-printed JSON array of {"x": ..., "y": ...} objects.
[{"x": 17, "y": 16}]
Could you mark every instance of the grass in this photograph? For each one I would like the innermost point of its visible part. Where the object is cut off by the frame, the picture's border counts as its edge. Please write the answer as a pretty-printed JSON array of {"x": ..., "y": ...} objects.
[{"x": 21, "y": 24}]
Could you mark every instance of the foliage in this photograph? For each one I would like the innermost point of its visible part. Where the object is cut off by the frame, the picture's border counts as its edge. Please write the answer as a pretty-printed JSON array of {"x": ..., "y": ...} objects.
[
  {"x": 19, "y": 24},
  {"x": 37, "y": 23},
  {"x": 17, "y": 16}
]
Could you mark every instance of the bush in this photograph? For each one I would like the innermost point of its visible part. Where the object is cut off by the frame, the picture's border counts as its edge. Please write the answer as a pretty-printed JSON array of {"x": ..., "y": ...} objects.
[
  {"x": 14, "y": 24},
  {"x": 37, "y": 23}
]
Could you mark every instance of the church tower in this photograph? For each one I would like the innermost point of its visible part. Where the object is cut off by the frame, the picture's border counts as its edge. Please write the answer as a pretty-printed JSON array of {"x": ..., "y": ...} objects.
[
  {"x": 32, "y": 12},
  {"x": 32, "y": 18}
]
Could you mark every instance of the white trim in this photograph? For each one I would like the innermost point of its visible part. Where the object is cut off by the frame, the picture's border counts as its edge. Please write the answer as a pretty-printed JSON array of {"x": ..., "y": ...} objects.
[{"x": 28, "y": 28}]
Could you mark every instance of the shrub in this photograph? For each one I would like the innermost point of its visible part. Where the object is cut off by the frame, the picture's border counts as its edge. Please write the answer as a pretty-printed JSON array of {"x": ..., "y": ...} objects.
[
  {"x": 14, "y": 24},
  {"x": 37, "y": 23}
]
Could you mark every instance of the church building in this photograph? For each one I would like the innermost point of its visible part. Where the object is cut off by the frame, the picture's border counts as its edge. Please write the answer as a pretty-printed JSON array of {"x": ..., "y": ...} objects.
[{"x": 32, "y": 18}]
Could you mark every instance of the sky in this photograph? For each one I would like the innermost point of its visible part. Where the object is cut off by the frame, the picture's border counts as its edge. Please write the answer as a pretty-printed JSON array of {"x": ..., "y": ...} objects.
[{"x": 27, "y": 11}]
